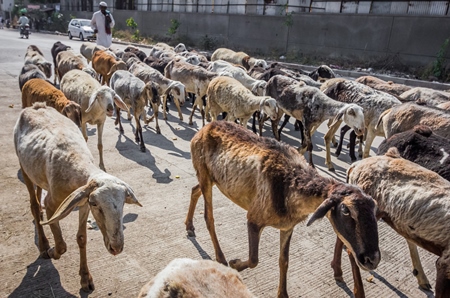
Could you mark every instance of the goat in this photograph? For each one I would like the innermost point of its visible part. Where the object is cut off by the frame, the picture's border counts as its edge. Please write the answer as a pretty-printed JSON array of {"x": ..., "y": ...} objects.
[
  {"x": 135, "y": 93},
  {"x": 57, "y": 48},
  {"x": 105, "y": 65},
  {"x": 423, "y": 147},
  {"x": 413, "y": 201},
  {"x": 35, "y": 56},
  {"x": 193, "y": 278},
  {"x": 96, "y": 102},
  {"x": 312, "y": 107},
  {"x": 62, "y": 164},
  {"x": 228, "y": 95},
  {"x": 278, "y": 189},
  {"x": 39, "y": 90},
  {"x": 372, "y": 101},
  {"x": 406, "y": 116}
]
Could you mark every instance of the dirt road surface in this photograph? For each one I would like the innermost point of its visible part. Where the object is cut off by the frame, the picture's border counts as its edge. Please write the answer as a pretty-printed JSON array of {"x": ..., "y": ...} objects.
[{"x": 162, "y": 178}]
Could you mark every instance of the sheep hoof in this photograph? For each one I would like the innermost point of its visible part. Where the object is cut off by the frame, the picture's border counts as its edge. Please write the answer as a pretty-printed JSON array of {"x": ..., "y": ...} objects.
[
  {"x": 158, "y": 131},
  {"x": 191, "y": 123},
  {"x": 87, "y": 283},
  {"x": 129, "y": 119},
  {"x": 236, "y": 264},
  {"x": 143, "y": 148},
  {"x": 354, "y": 159},
  {"x": 331, "y": 169},
  {"x": 335, "y": 144},
  {"x": 44, "y": 255},
  {"x": 426, "y": 287},
  {"x": 190, "y": 233},
  {"x": 339, "y": 279}
]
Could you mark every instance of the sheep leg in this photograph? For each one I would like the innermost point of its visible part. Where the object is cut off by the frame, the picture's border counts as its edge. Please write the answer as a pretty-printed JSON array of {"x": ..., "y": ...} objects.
[
  {"x": 37, "y": 214},
  {"x": 165, "y": 107},
  {"x": 118, "y": 121},
  {"x": 177, "y": 104},
  {"x": 344, "y": 130},
  {"x": 256, "y": 114},
  {"x": 195, "y": 195},
  {"x": 443, "y": 275},
  {"x": 87, "y": 284},
  {"x": 369, "y": 139},
  {"x": 360, "y": 150},
  {"x": 60, "y": 246},
  {"x": 285, "y": 121},
  {"x": 307, "y": 144},
  {"x": 206, "y": 188},
  {"x": 353, "y": 145},
  {"x": 84, "y": 131},
  {"x": 275, "y": 129},
  {"x": 336, "y": 262},
  {"x": 100, "y": 145},
  {"x": 358, "y": 289},
  {"x": 138, "y": 134},
  {"x": 254, "y": 234},
  {"x": 194, "y": 107},
  {"x": 418, "y": 269},
  {"x": 328, "y": 138},
  {"x": 285, "y": 241},
  {"x": 261, "y": 120}
]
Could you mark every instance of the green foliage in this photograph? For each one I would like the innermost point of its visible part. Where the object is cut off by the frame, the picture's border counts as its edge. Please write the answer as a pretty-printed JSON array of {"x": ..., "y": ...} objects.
[
  {"x": 288, "y": 21},
  {"x": 136, "y": 37},
  {"x": 132, "y": 23},
  {"x": 438, "y": 65},
  {"x": 208, "y": 43},
  {"x": 174, "y": 25}
]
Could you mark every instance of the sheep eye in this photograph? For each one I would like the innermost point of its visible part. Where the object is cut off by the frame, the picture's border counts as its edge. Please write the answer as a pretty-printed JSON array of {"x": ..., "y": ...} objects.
[
  {"x": 345, "y": 210},
  {"x": 92, "y": 204}
]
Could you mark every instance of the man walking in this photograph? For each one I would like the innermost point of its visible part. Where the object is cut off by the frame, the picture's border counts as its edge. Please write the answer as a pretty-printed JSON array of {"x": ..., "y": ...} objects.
[{"x": 102, "y": 22}]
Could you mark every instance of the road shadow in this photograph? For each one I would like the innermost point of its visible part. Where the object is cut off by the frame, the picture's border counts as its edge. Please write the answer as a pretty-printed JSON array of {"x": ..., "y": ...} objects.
[
  {"x": 41, "y": 280},
  {"x": 129, "y": 217},
  {"x": 200, "y": 250},
  {"x": 343, "y": 286},
  {"x": 129, "y": 149},
  {"x": 390, "y": 286}
]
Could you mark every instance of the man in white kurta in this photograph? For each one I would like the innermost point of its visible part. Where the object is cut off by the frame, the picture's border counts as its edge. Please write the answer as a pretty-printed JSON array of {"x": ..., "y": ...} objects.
[{"x": 98, "y": 23}]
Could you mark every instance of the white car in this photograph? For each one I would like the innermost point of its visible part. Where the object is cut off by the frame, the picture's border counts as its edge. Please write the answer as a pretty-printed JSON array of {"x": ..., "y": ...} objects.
[{"x": 81, "y": 28}]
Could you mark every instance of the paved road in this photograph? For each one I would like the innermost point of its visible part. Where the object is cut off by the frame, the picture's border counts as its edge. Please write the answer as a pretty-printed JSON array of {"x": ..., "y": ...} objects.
[{"x": 162, "y": 178}]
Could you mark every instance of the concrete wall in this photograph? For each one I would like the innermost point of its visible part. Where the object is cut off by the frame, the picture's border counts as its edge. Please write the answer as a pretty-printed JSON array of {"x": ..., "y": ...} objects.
[{"x": 412, "y": 40}]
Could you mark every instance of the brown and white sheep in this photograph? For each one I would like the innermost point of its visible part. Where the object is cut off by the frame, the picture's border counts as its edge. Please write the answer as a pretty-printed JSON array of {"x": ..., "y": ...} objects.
[
  {"x": 39, "y": 90},
  {"x": 87, "y": 49},
  {"x": 415, "y": 202},
  {"x": 239, "y": 58},
  {"x": 278, "y": 188},
  {"x": 105, "y": 65},
  {"x": 35, "y": 56},
  {"x": 427, "y": 96},
  {"x": 194, "y": 278},
  {"x": 68, "y": 60},
  {"x": 136, "y": 94},
  {"x": 388, "y": 87},
  {"x": 96, "y": 101},
  {"x": 62, "y": 164}
]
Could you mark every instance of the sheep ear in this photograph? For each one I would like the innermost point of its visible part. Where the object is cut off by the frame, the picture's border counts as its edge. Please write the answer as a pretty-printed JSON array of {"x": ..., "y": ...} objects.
[
  {"x": 131, "y": 197},
  {"x": 321, "y": 210},
  {"x": 91, "y": 101},
  {"x": 119, "y": 102},
  {"x": 77, "y": 198},
  {"x": 337, "y": 118}
]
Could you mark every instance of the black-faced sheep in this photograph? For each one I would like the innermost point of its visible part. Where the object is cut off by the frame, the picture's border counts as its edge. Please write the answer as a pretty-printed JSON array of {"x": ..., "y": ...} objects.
[{"x": 278, "y": 188}]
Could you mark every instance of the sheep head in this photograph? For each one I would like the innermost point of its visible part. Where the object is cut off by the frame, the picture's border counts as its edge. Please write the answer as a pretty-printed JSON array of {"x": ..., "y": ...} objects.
[
  {"x": 106, "y": 196},
  {"x": 46, "y": 68},
  {"x": 106, "y": 97},
  {"x": 72, "y": 110},
  {"x": 353, "y": 116},
  {"x": 269, "y": 107},
  {"x": 180, "y": 48},
  {"x": 352, "y": 214},
  {"x": 151, "y": 92},
  {"x": 178, "y": 90}
]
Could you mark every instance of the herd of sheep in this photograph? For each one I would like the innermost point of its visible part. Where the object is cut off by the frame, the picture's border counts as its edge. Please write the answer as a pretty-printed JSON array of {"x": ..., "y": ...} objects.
[{"x": 407, "y": 184}]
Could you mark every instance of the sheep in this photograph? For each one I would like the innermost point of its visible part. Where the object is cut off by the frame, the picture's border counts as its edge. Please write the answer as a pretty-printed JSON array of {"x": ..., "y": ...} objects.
[
  {"x": 39, "y": 90},
  {"x": 372, "y": 101},
  {"x": 165, "y": 86},
  {"x": 427, "y": 96},
  {"x": 105, "y": 65},
  {"x": 278, "y": 189},
  {"x": 56, "y": 49},
  {"x": 62, "y": 164},
  {"x": 322, "y": 73},
  {"x": 118, "y": 52},
  {"x": 407, "y": 115},
  {"x": 444, "y": 106},
  {"x": 28, "y": 72},
  {"x": 196, "y": 80},
  {"x": 415, "y": 202},
  {"x": 194, "y": 278},
  {"x": 35, "y": 56},
  {"x": 135, "y": 93},
  {"x": 312, "y": 107},
  {"x": 256, "y": 86},
  {"x": 388, "y": 87},
  {"x": 226, "y": 94},
  {"x": 423, "y": 147},
  {"x": 68, "y": 60},
  {"x": 180, "y": 48},
  {"x": 87, "y": 49},
  {"x": 96, "y": 102},
  {"x": 139, "y": 53},
  {"x": 240, "y": 58}
]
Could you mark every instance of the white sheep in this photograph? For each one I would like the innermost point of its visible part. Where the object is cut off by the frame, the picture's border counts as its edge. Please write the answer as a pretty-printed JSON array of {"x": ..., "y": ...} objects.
[
  {"x": 68, "y": 60},
  {"x": 415, "y": 202},
  {"x": 35, "y": 56},
  {"x": 165, "y": 85},
  {"x": 257, "y": 87},
  {"x": 135, "y": 93},
  {"x": 62, "y": 164},
  {"x": 96, "y": 102},
  {"x": 194, "y": 278},
  {"x": 87, "y": 49},
  {"x": 240, "y": 58},
  {"x": 226, "y": 94}
]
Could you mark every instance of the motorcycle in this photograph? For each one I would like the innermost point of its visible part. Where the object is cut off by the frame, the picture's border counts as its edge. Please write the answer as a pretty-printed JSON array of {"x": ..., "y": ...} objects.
[{"x": 24, "y": 31}]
